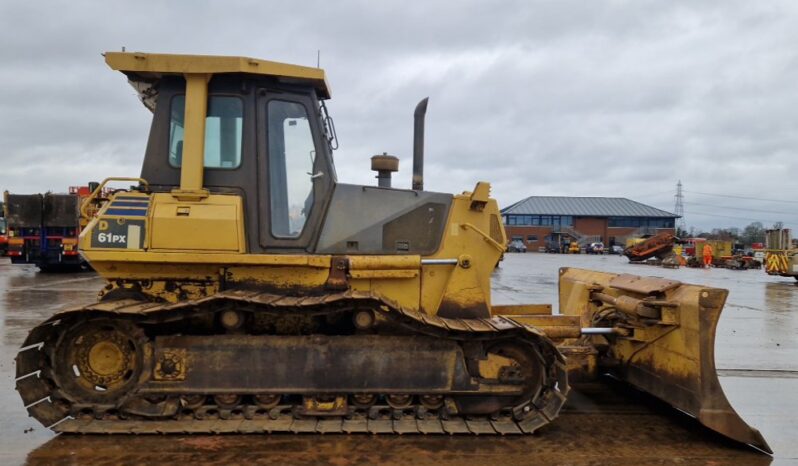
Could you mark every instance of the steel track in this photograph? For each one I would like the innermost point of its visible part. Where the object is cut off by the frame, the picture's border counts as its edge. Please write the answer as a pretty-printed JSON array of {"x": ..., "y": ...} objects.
[{"x": 54, "y": 409}]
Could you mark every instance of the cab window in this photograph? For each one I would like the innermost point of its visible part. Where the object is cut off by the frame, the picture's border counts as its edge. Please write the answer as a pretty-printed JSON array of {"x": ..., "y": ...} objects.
[
  {"x": 223, "y": 132},
  {"x": 291, "y": 155}
]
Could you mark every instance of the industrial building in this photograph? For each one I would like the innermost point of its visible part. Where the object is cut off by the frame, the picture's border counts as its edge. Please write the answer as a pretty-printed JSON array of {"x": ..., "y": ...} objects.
[{"x": 547, "y": 222}]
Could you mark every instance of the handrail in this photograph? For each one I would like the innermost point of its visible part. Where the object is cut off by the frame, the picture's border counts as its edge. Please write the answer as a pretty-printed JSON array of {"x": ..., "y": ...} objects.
[
  {"x": 484, "y": 235},
  {"x": 85, "y": 205}
]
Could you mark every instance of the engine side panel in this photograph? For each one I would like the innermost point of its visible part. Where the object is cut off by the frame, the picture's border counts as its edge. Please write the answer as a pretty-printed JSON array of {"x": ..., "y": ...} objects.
[{"x": 371, "y": 220}]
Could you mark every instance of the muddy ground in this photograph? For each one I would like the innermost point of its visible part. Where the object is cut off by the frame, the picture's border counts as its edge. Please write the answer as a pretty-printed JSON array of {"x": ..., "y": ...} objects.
[{"x": 756, "y": 354}]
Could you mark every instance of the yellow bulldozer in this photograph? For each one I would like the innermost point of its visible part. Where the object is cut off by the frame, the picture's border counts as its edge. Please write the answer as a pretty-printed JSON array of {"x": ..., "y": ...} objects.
[{"x": 249, "y": 291}]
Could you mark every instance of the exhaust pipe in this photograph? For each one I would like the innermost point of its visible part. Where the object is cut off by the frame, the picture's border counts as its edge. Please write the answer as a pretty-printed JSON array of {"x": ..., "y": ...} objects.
[{"x": 418, "y": 144}]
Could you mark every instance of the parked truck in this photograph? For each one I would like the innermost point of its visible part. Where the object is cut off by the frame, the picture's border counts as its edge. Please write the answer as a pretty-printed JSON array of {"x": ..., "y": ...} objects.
[
  {"x": 781, "y": 257},
  {"x": 43, "y": 229},
  {"x": 728, "y": 255},
  {"x": 3, "y": 232}
]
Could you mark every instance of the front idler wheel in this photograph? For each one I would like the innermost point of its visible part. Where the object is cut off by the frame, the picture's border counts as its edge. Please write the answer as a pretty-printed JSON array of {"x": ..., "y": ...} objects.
[
  {"x": 524, "y": 367},
  {"x": 511, "y": 364}
]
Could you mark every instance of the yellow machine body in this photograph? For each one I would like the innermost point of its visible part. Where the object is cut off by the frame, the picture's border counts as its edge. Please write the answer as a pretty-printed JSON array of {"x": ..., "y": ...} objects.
[
  {"x": 380, "y": 295},
  {"x": 202, "y": 242}
]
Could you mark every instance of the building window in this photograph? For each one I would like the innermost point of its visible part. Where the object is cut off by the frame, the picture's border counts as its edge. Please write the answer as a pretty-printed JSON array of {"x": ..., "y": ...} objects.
[
  {"x": 661, "y": 222},
  {"x": 532, "y": 239},
  {"x": 517, "y": 238},
  {"x": 626, "y": 222},
  {"x": 539, "y": 220}
]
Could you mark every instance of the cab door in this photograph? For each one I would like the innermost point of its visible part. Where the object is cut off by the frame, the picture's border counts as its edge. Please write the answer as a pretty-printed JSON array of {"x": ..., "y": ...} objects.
[{"x": 295, "y": 172}]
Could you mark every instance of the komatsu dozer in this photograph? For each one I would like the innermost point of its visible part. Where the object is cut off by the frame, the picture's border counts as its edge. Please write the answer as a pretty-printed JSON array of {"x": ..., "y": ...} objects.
[{"x": 249, "y": 291}]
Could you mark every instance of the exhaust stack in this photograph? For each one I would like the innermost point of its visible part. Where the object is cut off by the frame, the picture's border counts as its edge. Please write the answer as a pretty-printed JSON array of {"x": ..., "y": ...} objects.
[{"x": 418, "y": 144}]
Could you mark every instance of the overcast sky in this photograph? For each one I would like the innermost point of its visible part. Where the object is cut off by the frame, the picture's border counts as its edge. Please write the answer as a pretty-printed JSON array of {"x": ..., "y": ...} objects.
[{"x": 577, "y": 98}]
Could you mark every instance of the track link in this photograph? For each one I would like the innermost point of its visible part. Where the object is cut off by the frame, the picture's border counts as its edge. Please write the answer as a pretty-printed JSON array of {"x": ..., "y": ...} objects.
[
  {"x": 53, "y": 408},
  {"x": 286, "y": 423}
]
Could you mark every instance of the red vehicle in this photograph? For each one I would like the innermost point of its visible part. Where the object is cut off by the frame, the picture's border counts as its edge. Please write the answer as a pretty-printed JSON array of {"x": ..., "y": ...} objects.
[{"x": 692, "y": 245}]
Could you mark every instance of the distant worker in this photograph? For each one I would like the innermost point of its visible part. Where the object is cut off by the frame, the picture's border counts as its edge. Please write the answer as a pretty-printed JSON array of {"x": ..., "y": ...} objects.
[{"x": 707, "y": 255}]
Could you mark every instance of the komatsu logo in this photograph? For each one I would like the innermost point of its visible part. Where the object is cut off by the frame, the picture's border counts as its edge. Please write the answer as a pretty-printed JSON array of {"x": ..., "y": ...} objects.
[{"x": 111, "y": 238}]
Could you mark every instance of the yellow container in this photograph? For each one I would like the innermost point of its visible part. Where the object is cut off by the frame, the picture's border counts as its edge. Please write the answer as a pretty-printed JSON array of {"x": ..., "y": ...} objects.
[{"x": 720, "y": 248}]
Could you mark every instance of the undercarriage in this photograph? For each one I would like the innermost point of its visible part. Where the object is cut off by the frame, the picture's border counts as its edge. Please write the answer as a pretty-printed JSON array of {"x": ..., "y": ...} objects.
[{"x": 256, "y": 362}]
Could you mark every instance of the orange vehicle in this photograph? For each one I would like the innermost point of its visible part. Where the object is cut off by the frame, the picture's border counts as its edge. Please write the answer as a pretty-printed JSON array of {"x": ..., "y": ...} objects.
[{"x": 660, "y": 245}]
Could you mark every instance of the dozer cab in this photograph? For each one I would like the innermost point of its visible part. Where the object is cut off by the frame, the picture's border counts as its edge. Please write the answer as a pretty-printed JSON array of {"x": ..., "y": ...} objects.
[{"x": 249, "y": 291}]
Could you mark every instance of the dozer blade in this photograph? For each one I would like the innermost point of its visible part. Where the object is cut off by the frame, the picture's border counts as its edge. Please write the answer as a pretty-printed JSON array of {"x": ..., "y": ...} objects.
[{"x": 664, "y": 341}]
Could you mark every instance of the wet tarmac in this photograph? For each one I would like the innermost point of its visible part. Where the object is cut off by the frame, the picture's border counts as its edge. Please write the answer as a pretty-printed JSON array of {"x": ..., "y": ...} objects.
[{"x": 756, "y": 353}]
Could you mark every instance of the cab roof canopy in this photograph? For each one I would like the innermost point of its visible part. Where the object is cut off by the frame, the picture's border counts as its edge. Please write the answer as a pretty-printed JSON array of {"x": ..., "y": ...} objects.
[{"x": 142, "y": 69}]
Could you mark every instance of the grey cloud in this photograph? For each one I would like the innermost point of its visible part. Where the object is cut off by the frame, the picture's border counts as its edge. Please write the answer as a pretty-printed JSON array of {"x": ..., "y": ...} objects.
[{"x": 609, "y": 98}]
